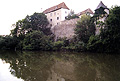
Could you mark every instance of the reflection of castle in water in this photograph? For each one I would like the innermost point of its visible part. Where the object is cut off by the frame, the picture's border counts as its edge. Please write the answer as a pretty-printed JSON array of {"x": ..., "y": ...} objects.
[
  {"x": 63, "y": 67},
  {"x": 62, "y": 71}
]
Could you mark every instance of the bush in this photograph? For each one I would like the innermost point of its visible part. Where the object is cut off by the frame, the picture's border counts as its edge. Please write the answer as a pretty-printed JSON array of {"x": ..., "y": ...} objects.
[
  {"x": 8, "y": 42},
  {"x": 36, "y": 40},
  {"x": 58, "y": 45},
  {"x": 95, "y": 44},
  {"x": 80, "y": 46},
  {"x": 71, "y": 17},
  {"x": 84, "y": 29}
]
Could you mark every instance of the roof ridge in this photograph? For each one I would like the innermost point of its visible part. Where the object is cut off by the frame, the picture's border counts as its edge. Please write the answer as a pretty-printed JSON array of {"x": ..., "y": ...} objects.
[
  {"x": 101, "y": 4},
  {"x": 86, "y": 10},
  {"x": 56, "y": 7}
]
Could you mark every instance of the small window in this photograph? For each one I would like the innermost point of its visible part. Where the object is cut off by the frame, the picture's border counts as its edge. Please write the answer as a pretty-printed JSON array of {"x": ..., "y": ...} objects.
[
  {"x": 50, "y": 14},
  {"x": 51, "y": 20},
  {"x": 87, "y": 13},
  {"x": 57, "y": 18},
  {"x": 57, "y": 13},
  {"x": 54, "y": 13},
  {"x": 66, "y": 12},
  {"x": 65, "y": 17}
]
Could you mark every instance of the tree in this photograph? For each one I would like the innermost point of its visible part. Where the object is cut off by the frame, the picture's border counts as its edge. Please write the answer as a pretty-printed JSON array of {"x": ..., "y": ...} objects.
[
  {"x": 84, "y": 29},
  {"x": 33, "y": 32},
  {"x": 36, "y": 40},
  {"x": 109, "y": 38},
  {"x": 37, "y": 21},
  {"x": 8, "y": 42},
  {"x": 71, "y": 15},
  {"x": 111, "y": 34}
]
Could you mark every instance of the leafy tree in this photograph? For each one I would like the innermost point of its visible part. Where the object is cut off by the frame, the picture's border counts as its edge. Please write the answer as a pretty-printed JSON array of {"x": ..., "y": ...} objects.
[
  {"x": 36, "y": 40},
  {"x": 71, "y": 15},
  {"x": 8, "y": 42},
  {"x": 37, "y": 21},
  {"x": 95, "y": 44},
  {"x": 109, "y": 38},
  {"x": 71, "y": 12},
  {"x": 111, "y": 34},
  {"x": 84, "y": 29},
  {"x": 27, "y": 32}
]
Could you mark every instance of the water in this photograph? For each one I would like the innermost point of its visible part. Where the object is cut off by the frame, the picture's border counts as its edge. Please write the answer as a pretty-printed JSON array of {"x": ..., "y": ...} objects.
[{"x": 58, "y": 66}]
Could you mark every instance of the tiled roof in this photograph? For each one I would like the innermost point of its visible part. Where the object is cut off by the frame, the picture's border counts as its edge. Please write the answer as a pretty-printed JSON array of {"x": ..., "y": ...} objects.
[
  {"x": 54, "y": 8},
  {"x": 85, "y": 11},
  {"x": 101, "y": 5}
]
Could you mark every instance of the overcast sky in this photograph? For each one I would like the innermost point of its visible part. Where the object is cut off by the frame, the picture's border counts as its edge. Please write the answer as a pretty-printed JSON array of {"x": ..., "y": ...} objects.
[{"x": 13, "y": 10}]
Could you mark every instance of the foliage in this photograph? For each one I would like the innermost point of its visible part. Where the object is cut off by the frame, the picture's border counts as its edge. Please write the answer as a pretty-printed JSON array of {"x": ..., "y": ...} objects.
[
  {"x": 37, "y": 21},
  {"x": 33, "y": 33},
  {"x": 80, "y": 46},
  {"x": 72, "y": 17},
  {"x": 109, "y": 38},
  {"x": 8, "y": 42},
  {"x": 58, "y": 45},
  {"x": 111, "y": 35},
  {"x": 84, "y": 29},
  {"x": 99, "y": 13},
  {"x": 95, "y": 44},
  {"x": 36, "y": 40}
]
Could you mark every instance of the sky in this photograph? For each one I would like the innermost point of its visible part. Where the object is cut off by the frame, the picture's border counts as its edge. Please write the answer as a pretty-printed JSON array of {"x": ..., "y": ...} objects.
[{"x": 13, "y": 10}]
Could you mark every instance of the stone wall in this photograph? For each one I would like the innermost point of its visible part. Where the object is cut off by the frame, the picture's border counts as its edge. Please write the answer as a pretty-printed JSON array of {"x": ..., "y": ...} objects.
[{"x": 65, "y": 29}]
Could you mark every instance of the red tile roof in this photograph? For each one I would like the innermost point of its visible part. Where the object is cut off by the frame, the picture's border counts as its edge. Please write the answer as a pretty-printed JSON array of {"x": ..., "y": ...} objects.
[
  {"x": 85, "y": 11},
  {"x": 54, "y": 8}
]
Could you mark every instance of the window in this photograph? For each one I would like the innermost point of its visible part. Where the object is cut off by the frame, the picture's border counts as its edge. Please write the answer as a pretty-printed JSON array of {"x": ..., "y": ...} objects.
[
  {"x": 87, "y": 13},
  {"x": 54, "y": 13},
  {"x": 51, "y": 20},
  {"x": 66, "y": 12},
  {"x": 57, "y": 13},
  {"x": 57, "y": 18},
  {"x": 50, "y": 14},
  {"x": 65, "y": 17}
]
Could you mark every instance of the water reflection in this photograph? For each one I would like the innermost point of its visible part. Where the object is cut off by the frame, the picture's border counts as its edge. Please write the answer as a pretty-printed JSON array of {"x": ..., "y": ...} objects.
[{"x": 54, "y": 66}]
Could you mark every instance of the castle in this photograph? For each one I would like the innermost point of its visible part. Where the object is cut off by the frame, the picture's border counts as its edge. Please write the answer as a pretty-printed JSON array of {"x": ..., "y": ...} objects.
[
  {"x": 57, "y": 13},
  {"x": 102, "y": 18}
]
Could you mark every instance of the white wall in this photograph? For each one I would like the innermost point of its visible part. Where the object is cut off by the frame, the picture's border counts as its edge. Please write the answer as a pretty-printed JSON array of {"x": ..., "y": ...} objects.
[
  {"x": 61, "y": 14},
  {"x": 64, "y": 13},
  {"x": 107, "y": 11}
]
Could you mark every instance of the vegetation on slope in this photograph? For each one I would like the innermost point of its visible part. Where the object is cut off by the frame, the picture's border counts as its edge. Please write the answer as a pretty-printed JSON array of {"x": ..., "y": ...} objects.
[{"x": 33, "y": 33}]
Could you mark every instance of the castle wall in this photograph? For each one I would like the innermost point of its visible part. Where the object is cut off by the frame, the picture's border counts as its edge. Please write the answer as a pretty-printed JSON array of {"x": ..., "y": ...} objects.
[{"x": 65, "y": 29}]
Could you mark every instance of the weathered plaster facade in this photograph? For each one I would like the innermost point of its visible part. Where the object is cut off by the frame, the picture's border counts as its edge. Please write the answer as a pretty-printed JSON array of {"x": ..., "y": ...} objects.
[{"x": 57, "y": 13}]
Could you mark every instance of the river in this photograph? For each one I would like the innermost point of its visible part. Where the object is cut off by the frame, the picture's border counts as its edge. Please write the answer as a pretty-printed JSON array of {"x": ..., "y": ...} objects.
[{"x": 58, "y": 66}]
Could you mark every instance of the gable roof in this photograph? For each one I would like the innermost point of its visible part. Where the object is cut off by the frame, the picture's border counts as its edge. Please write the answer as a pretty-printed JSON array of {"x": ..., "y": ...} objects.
[
  {"x": 85, "y": 11},
  {"x": 101, "y": 5},
  {"x": 54, "y": 8}
]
